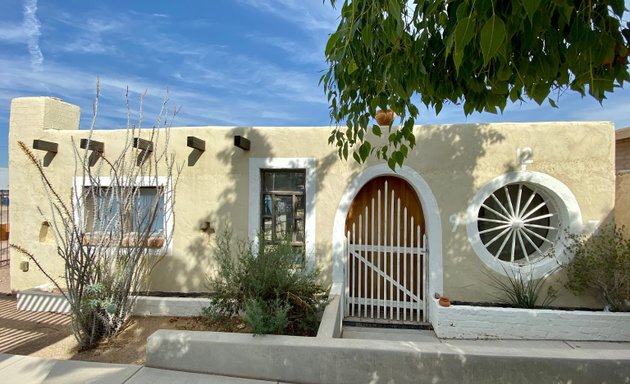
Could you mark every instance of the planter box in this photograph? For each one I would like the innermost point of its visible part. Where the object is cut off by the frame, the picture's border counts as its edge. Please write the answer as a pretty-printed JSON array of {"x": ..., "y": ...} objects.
[{"x": 475, "y": 322}]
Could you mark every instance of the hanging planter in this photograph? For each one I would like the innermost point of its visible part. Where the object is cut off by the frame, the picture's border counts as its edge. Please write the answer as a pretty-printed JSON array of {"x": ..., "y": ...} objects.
[{"x": 385, "y": 118}]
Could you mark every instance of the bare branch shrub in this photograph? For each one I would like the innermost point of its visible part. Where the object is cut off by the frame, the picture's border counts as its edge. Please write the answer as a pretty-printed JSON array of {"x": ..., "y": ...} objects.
[{"x": 112, "y": 230}]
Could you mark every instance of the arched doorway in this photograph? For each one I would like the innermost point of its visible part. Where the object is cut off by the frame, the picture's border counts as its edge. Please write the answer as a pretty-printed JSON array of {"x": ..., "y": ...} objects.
[{"x": 386, "y": 255}]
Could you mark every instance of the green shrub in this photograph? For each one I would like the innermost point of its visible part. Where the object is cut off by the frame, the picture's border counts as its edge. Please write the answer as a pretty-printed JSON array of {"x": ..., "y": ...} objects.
[
  {"x": 277, "y": 294},
  {"x": 601, "y": 262},
  {"x": 267, "y": 317},
  {"x": 521, "y": 290}
]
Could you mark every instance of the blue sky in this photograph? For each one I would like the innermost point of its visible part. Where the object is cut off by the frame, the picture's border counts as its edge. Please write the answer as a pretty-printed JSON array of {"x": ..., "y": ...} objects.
[{"x": 225, "y": 62}]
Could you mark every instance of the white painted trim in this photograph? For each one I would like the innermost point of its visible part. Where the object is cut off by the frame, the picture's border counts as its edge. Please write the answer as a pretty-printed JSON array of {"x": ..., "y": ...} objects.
[
  {"x": 144, "y": 181},
  {"x": 309, "y": 164},
  {"x": 432, "y": 220},
  {"x": 562, "y": 199}
]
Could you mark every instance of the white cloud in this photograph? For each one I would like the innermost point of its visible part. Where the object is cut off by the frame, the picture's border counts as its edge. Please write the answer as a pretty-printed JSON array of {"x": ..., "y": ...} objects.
[
  {"x": 312, "y": 16},
  {"x": 13, "y": 33},
  {"x": 32, "y": 29},
  {"x": 298, "y": 51}
]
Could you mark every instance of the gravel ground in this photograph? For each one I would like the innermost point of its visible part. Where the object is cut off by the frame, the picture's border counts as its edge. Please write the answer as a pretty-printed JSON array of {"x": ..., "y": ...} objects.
[{"x": 49, "y": 335}]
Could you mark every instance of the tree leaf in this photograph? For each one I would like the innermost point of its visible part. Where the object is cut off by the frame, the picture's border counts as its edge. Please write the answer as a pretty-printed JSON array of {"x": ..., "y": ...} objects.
[
  {"x": 492, "y": 37},
  {"x": 618, "y": 7},
  {"x": 364, "y": 150},
  {"x": 458, "y": 56},
  {"x": 464, "y": 32},
  {"x": 531, "y": 6},
  {"x": 376, "y": 130},
  {"x": 352, "y": 67},
  {"x": 332, "y": 40},
  {"x": 552, "y": 103},
  {"x": 391, "y": 163}
]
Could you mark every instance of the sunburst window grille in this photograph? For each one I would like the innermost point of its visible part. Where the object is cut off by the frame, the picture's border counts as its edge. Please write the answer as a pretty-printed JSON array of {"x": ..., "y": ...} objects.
[{"x": 517, "y": 224}]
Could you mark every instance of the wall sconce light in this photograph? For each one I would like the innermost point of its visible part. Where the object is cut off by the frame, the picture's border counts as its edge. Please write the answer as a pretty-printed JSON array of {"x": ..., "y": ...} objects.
[{"x": 207, "y": 227}]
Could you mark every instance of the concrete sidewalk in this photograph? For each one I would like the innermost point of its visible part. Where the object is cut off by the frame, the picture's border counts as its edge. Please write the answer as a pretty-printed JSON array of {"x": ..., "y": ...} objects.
[{"x": 35, "y": 370}]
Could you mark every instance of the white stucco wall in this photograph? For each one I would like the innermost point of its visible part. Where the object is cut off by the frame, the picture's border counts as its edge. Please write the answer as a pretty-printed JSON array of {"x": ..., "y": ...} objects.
[{"x": 473, "y": 322}]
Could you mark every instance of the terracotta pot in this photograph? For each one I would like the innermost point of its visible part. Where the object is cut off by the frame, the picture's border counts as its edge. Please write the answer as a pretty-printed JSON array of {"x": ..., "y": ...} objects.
[
  {"x": 444, "y": 301},
  {"x": 385, "y": 117},
  {"x": 155, "y": 242}
]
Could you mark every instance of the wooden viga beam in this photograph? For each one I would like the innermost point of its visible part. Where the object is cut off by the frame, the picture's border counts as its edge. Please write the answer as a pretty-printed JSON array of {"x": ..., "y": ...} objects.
[
  {"x": 142, "y": 144},
  {"x": 242, "y": 143},
  {"x": 196, "y": 143},
  {"x": 44, "y": 145},
  {"x": 92, "y": 145}
]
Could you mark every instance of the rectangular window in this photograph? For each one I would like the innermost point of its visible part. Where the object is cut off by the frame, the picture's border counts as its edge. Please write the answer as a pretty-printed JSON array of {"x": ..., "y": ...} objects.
[
  {"x": 126, "y": 214},
  {"x": 283, "y": 205}
]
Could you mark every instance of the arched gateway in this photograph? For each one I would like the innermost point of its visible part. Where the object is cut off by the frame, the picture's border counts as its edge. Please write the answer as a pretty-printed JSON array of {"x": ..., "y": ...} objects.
[{"x": 381, "y": 246}]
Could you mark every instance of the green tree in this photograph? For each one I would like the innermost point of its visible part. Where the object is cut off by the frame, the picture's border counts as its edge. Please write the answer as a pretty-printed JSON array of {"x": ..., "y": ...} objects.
[{"x": 476, "y": 54}]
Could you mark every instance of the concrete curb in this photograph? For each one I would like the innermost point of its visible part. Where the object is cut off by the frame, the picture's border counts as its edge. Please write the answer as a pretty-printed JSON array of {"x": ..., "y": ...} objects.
[{"x": 320, "y": 360}]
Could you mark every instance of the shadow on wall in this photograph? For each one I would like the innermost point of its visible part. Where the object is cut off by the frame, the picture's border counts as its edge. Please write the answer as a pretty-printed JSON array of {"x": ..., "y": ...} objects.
[
  {"x": 449, "y": 158},
  {"x": 231, "y": 208}
]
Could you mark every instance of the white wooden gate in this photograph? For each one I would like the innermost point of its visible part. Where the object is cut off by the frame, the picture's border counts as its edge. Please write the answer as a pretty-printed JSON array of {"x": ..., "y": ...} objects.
[{"x": 386, "y": 262}]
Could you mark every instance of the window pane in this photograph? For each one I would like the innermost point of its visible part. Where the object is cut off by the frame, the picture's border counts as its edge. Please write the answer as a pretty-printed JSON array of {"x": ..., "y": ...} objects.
[
  {"x": 267, "y": 205},
  {"x": 267, "y": 181},
  {"x": 292, "y": 181},
  {"x": 299, "y": 206},
  {"x": 283, "y": 216},
  {"x": 267, "y": 229},
  {"x": 148, "y": 211},
  {"x": 101, "y": 208},
  {"x": 299, "y": 230}
]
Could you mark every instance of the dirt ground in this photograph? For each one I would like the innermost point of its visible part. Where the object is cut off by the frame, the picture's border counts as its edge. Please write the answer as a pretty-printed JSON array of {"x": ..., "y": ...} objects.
[{"x": 50, "y": 334}]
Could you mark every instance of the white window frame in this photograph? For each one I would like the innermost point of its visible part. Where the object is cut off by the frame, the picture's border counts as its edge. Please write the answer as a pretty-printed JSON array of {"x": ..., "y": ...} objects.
[
  {"x": 558, "y": 194},
  {"x": 309, "y": 164},
  {"x": 141, "y": 181}
]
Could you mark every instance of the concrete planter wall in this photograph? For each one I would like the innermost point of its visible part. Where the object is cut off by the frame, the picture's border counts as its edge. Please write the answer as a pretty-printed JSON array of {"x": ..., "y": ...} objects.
[
  {"x": 41, "y": 301},
  {"x": 472, "y": 322}
]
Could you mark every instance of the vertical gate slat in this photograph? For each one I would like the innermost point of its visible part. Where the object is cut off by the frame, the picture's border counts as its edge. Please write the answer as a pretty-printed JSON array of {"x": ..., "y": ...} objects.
[
  {"x": 420, "y": 257},
  {"x": 365, "y": 265},
  {"x": 425, "y": 261},
  {"x": 398, "y": 246},
  {"x": 378, "y": 250},
  {"x": 353, "y": 289},
  {"x": 391, "y": 259},
  {"x": 385, "y": 222},
  {"x": 405, "y": 296},
  {"x": 360, "y": 285},
  {"x": 373, "y": 261},
  {"x": 411, "y": 267},
  {"x": 349, "y": 281}
]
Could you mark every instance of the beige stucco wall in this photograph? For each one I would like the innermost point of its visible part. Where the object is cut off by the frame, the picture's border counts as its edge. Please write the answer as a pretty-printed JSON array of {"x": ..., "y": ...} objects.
[
  {"x": 622, "y": 202},
  {"x": 455, "y": 161}
]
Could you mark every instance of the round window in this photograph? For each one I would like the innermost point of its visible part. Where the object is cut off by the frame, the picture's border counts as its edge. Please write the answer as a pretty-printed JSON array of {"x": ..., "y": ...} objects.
[{"x": 518, "y": 219}]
